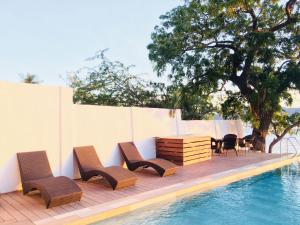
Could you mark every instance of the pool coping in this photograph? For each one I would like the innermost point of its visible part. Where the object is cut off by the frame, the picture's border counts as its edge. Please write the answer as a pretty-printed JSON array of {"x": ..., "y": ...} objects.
[{"x": 168, "y": 193}]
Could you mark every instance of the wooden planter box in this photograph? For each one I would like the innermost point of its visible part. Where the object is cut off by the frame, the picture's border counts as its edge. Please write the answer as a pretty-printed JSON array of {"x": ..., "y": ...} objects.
[{"x": 184, "y": 150}]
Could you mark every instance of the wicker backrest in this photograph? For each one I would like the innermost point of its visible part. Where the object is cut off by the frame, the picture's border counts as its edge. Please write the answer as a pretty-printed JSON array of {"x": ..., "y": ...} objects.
[
  {"x": 213, "y": 143},
  {"x": 130, "y": 152},
  {"x": 87, "y": 158},
  {"x": 34, "y": 165},
  {"x": 248, "y": 138},
  {"x": 229, "y": 141}
]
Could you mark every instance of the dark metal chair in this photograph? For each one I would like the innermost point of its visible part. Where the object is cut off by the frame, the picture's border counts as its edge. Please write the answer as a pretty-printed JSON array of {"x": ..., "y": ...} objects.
[
  {"x": 230, "y": 143},
  {"x": 216, "y": 145},
  {"x": 213, "y": 144},
  {"x": 246, "y": 142}
]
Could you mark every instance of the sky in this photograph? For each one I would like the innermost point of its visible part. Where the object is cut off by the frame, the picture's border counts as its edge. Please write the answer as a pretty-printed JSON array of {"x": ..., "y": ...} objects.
[{"x": 53, "y": 38}]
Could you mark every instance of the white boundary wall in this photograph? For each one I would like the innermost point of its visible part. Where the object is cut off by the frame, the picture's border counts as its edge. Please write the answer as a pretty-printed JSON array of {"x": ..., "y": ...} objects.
[
  {"x": 38, "y": 117},
  {"x": 32, "y": 117}
]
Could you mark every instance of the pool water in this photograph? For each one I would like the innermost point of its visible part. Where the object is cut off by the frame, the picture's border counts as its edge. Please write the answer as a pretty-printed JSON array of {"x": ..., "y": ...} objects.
[{"x": 270, "y": 198}]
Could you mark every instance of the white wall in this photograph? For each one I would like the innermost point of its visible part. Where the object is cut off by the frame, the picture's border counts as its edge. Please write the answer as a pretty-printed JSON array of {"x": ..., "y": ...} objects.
[
  {"x": 103, "y": 127},
  {"x": 38, "y": 117},
  {"x": 213, "y": 128},
  {"x": 200, "y": 127},
  {"x": 29, "y": 120},
  {"x": 149, "y": 123}
]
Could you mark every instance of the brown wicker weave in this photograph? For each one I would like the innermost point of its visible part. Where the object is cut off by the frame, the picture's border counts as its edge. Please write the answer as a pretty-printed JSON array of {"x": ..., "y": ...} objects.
[
  {"x": 36, "y": 174},
  {"x": 134, "y": 160},
  {"x": 90, "y": 166}
]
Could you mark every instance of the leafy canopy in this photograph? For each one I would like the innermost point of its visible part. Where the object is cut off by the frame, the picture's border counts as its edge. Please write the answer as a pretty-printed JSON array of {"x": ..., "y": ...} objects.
[
  {"x": 253, "y": 45},
  {"x": 113, "y": 83},
  {"x": 30, "y": 79}
]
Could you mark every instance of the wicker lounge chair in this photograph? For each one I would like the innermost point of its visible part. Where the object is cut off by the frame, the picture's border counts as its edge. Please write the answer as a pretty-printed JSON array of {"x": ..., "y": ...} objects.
[
  {"x": 36, "y": 174},
  {"x": 134, "y": 160},
  {"x": 90, "y": 166}
]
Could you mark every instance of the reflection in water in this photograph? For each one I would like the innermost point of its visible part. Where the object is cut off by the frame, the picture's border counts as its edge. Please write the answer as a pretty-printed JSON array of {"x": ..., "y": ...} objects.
[{"x": 270, "y": 198}]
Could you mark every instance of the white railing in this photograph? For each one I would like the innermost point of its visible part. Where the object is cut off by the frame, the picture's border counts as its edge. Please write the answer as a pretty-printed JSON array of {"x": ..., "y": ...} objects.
[{"x": 293, "y": 142}]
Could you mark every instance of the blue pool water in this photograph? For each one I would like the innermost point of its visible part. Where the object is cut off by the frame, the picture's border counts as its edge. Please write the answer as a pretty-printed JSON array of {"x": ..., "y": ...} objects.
[{"x": 272, "y": 198}]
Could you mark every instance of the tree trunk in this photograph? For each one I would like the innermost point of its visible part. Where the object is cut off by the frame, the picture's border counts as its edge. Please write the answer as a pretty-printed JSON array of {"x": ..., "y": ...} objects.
[
  {"x": 260, "y": 134},
  {"x": 273, "y": 143},
  {"x": 259, "y": 140}
]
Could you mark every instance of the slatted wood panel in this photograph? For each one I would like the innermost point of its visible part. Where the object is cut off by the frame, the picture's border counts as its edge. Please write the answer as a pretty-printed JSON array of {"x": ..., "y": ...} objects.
[{"x": 184, "y": 150}]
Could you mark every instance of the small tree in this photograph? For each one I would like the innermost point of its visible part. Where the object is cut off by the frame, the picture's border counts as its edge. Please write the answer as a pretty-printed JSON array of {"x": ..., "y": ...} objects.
[
  {"x": 252, "y": 46},
  {"x": 282, "y": 124},
  {"x": 30, "y": 79},
  {"x": 113, "y": 83},
  {"x": 194, "y": 104}
]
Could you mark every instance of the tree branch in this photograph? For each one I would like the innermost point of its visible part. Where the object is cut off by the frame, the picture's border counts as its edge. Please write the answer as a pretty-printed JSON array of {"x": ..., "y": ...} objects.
[
  {"x": 248, "y": 63},
  {"x": 275, "y": 129},
  {"x": 212, "y": 44},
  {"x": 286, "y": 130},
  {"x": 283, "y": 64},
  {"x": 214, "y": 91},
  {"x": 254, "y": 18},
  {"x": 288, "y": 11}
]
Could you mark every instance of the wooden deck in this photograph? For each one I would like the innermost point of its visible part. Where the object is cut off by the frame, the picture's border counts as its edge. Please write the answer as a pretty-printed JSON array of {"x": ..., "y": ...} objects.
[{"x": 16, "y": 208}]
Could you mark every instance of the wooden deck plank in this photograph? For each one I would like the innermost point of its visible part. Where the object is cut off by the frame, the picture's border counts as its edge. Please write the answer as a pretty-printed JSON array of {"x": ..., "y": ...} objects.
[
  {"x": 4, "y": 215},
  {"x": 30, "y": 204},
  {"x": 9, "y": 208},
  {"x": 15, "y": 208},
  {"x": 22, "y": 209}
]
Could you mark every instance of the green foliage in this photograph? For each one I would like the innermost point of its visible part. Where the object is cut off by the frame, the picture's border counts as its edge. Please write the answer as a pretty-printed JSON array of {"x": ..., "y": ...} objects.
[
  {"x": 252, "y": 46},
  {"x": 234, "y": 107},
  {"x": 112, "y": 83},
  {"x": 193, "y": 104},
  {"x": 30, "y": 79},
  {"x": 282, "y": 120}
]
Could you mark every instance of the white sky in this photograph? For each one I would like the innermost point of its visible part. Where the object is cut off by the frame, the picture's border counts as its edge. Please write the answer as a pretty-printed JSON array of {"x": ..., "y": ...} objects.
[{"x": 296, "y": 103}]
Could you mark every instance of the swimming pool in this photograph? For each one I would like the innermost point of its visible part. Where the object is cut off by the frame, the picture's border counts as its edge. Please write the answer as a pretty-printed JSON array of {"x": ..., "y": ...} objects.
[{"x": 270, "y": 198}]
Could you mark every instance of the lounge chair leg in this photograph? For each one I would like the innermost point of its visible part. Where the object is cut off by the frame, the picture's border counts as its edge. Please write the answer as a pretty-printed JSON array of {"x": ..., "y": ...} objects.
[{"x": 48, "y": 204}]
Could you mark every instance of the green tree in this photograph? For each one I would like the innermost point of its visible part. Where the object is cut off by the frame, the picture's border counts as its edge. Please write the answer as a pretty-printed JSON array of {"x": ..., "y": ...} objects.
[
  {"x": 252, "y": 46},
  {"x": 194, "y": 104},
  {"x": 282, "y": 124},
  {"x": 30, "y": 79},
  {"x": 113, "y": 83}
]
